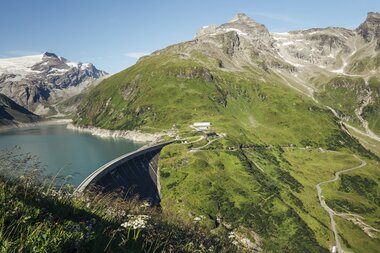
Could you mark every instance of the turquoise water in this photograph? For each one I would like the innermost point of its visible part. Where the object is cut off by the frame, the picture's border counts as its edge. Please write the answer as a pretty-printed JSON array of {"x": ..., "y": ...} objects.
[{"x": 77, "y": 153}]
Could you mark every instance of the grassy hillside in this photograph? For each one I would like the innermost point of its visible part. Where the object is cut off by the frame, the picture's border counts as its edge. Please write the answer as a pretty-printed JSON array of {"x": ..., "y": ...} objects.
[
  {"x": 259, "y": 180},
  {"x": 358, "y": 192},
  {"x": 39, "y": 214},
  {"x": 269, "y": 190},
  {"x": 372, "y": 112},
  {"x": 365, "y": 65},
  {"x": 165, "y": 90},
  {"x": 344, "y": 94}
]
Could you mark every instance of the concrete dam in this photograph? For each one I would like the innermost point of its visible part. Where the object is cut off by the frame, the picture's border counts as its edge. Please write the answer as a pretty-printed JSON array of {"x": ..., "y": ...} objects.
[{"x": 134, "y": 174}]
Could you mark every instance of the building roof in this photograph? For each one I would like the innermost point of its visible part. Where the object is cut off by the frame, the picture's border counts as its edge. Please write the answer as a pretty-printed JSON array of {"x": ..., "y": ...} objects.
[{"x": 200, "y": 124}]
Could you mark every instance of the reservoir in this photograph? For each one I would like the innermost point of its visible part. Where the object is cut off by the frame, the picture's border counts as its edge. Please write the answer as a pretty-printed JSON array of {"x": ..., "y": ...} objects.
[{"x": 76, "y": 153}]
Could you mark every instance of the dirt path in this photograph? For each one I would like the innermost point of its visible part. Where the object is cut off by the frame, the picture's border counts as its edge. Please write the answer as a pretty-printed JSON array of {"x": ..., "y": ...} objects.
[
  {"x": 208, "y": 143},
  {"x": 328, "y": 209}
]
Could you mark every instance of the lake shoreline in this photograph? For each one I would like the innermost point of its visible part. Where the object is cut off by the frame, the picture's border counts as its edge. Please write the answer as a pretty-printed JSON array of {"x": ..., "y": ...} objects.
[
  {"x": 131, "y": 135},
  {"x": 35, "y": 124},
  {"x": 135, "y": 136},
  {"x": 70, "y": 154}
]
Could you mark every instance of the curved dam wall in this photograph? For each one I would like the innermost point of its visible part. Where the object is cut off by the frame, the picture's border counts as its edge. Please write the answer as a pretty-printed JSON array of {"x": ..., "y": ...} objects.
[{"x": 133, "y": 174}]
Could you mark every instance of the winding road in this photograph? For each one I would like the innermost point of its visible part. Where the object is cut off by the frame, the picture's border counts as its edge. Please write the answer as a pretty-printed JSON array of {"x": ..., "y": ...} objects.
[{"x": 328, "y": 209}]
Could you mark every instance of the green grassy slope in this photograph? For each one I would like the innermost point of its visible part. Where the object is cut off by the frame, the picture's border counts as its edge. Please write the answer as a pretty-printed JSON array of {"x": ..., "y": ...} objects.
[
  {"x": 344, "y": 94},
  {"x": 358, "y": 192},
  {"x": 39, "y": 214},
  {"x": 364, "y": 65},
  {"x": 163, "y": 90},
  {"x": 258, "y": 186},
  {"x": 372, "y": 111}
]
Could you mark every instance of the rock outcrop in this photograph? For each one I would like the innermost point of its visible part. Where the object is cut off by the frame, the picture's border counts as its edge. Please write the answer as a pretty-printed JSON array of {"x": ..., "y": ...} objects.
[
  {"x": 12, "y": 113},
  {"x": 35, "y": 82},
  {"x": 370, "y": 28}
]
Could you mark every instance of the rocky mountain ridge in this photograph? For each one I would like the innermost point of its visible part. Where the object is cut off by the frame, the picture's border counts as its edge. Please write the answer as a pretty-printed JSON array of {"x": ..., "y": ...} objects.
[
  {"x": 40, "y": 81},
  {"x": 370, "y": 29},
  {"x": 12, "y": 113},
  {"x": 303, "y": 58}
]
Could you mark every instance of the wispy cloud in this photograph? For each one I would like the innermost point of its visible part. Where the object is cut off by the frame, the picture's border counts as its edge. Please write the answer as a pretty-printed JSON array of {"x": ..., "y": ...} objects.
[
  {"x": 136, "y": 55},
  {"x": 276, "y": 16}
]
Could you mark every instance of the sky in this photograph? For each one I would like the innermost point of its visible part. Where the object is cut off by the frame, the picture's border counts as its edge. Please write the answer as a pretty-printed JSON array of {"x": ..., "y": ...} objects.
[{"x": 113, "y": 34}]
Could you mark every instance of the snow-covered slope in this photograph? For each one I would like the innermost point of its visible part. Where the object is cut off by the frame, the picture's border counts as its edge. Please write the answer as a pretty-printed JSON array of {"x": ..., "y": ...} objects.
[
  {"x": 19, "y": 66},
  {"x": 39, "y": 81}
]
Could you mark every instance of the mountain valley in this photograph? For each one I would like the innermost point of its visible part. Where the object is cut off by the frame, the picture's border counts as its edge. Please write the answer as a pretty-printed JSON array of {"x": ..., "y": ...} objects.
[
  {"x": 276, "y": 136},
  {"x": 41, "y": 82},
  {"x": 295, "y": 108}
]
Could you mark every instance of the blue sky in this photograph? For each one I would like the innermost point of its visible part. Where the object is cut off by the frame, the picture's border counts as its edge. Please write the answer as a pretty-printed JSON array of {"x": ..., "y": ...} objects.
[{"x": 112, "y": 33}]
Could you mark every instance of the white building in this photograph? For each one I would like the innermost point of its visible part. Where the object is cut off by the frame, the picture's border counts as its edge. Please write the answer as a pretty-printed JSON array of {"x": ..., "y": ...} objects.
[{"x": 201, "y": 126}]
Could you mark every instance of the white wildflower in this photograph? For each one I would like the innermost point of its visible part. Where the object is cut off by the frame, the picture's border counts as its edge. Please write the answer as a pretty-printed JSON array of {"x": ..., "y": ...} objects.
[
  {"x": 136, "y": 222},
  {"x": 197, "y": 219},
  {"x": 245, "y": 241},
  {"x": 121, "y": 213},
  {"x": 145, "y": 204}
]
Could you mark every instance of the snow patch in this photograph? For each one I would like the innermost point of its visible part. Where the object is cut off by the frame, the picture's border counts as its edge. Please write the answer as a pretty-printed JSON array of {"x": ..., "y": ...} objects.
[
  {"x": 19, "y": 65},
  {"x": 282, "y": 34},
  {"x": 288, "y": 43},
  {"x": 239, "y": 32},
  {"x": 279, "y": 38},
  {"x": 72, "y": 64},
  {"x": 57, "y": 70},
  {"x": 85, "y": 66}
]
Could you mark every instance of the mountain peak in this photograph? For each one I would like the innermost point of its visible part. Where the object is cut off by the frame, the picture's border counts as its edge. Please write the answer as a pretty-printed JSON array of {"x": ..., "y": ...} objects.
[
  {"x": 48, "y": 54},
  {"x": 247, "y": 25},
  {"x": 241, "y": 17},
  {"x": 370, "y": 28},
  {"x": 373, "y": 15}
]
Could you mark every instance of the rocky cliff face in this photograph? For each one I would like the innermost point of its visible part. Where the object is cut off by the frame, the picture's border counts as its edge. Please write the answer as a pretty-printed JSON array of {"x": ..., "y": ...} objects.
[
  {"x": 12, "y": 113},
  {"x": 238, "y": 43},
  {"x": 243, "y": 42},
  {"x": 370, "y": 28},
  {"x": 36, "y": 82}
]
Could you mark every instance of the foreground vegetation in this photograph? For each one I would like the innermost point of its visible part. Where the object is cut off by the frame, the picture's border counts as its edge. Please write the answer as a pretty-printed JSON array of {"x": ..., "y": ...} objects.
[{"x": 37, "y": 217}]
